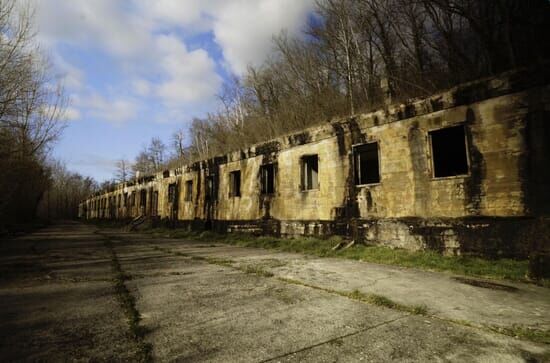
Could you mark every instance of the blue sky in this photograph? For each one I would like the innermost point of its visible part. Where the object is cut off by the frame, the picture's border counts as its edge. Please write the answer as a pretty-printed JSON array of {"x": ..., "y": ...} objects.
[{"x": 137, "y": 69}]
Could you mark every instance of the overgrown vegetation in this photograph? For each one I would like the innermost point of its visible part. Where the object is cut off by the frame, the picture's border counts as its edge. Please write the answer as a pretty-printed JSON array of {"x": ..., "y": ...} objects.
[
  {"x": 128, "y": 304},
  {"x": 516, "y": 331},
  {"x": 32, "y": 106},
  {"x": 355, "y": 56},
  {"x": 372, "y": 299},
  {"x": 261, "y": 271},
  {"x": 509, "y": 269}
]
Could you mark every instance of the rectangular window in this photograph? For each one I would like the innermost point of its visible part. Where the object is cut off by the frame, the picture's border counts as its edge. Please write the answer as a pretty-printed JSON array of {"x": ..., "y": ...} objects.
[
  {"x": 125, "y": 200},
  {"x": 155, "y": 203},
  {"x": 211, "y": 190},
  {"x": 310, "y": 172},
  {"x": 189, "y": 191},
  {"x": 172, "y": 193},
  {"x": 267, "y": 179},
  {"x": 366, "y": 164},
  {"x": 235, "y": 183},
  {"x": 142, "y": 198},
  {"x": 133, "y": 199},
  {"x": 119, "y": 201},
  {"x": 449, "y": 155}
]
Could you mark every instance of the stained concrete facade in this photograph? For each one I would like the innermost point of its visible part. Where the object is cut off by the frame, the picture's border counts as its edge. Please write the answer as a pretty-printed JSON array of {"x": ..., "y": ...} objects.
[{"x": 463, "y": 171}]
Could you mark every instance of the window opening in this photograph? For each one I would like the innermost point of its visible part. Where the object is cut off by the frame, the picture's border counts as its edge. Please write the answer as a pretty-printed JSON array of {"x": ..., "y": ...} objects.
[
  {"x": 366, "y": 163},
  {"x": 172, "y": 193},
  {"x": 155, "y": 203},
  {"x": 189, "y": 191},
  {"x": 449, "y": 155},
  {"x": 211, "y": 190},
  {"x": 267, "y": 179},
  {"x": 235, "y": 183},
  {"x": 310, "y": 172},
  {"x": 142, "y": 198}
]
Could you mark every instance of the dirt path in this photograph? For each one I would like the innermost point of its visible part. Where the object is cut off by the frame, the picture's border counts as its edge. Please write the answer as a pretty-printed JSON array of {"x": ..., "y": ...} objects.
[{"x": 63, "y": 298}]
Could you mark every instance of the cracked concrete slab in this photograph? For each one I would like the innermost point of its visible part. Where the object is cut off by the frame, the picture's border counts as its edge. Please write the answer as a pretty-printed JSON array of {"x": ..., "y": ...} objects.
[
  {"x": 197, "y": 303},
  {"x": 524, "y": 304},
  {"x": 57, "y": 302}
]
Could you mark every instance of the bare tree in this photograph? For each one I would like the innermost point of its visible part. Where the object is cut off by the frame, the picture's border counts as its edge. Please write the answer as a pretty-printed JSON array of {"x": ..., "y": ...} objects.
[
  {"x": 123, "y": 168},
  {"x": 356, "y": 53},
  {"x": 31, "y": 115},
  {"x": 66, "y": 190},
  {"x": 151, "y": 159},
  {"x": 31, "y": 102},
  {"x": 178, "y": 144},
  {"x": 143, "y": 164},
  {"x": 157, "y": 152}
]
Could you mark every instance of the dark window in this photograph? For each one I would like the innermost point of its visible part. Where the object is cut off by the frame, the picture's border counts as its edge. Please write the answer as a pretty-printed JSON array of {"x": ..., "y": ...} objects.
[
  {"x": 172, "y": 193},
  {"x": 189, "y": 191},
  {"x": 367, "y": 170},
  {"x": 310, "y": 172},
  {"x": 125, "y": 200},
  {"x": 142, "y": 198},
  {"x": 449, "y": 152},
  {"x": 166, "y": 174},
  {"x": 211, "y": 190},
  {"x": 119, "y": 201},
  {"x": 267, "y": 178},
  {"x": 155, "y": 203},
  {"x": 235, "y": 183},
  {"x": 133, "y": 199}
]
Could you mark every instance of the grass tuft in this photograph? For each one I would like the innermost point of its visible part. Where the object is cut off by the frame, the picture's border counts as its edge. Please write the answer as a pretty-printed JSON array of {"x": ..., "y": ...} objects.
[
  {"x": 380, "y": 300},
  {"x": 257, "y": 270},
  {"x": 508, "y": 269},
  {"x": 219, "y": 261},
  {"x": 517, "y": 331},
  {"x": 128, "y": 304}
]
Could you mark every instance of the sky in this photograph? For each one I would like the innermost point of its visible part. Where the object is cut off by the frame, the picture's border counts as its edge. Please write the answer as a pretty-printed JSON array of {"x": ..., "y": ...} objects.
[{"x": 137, "y": 69}]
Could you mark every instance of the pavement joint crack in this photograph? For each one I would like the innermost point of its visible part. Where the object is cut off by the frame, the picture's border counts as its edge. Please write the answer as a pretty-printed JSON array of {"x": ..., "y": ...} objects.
[
  {"x": 410, "y": 310},
  {"x": 127, "y": 303},
  {"x": 333, "y": 339}
]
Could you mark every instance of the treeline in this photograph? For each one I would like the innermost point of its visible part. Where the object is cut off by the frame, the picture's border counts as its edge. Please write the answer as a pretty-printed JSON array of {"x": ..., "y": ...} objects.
[
  {"x": 65, "y": 191},
  {"x": 31, "y": 113},
  {"x": 153, "y": 157},
  {"x": 355, "y": 55}
]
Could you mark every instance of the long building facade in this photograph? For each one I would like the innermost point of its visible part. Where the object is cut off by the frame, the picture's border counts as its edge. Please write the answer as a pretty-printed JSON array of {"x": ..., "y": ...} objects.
[{"x": 463, "y": 171}]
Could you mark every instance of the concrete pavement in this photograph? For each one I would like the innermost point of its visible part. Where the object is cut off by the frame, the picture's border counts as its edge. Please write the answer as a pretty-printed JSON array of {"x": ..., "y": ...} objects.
[{"x": 213, "y": 302}]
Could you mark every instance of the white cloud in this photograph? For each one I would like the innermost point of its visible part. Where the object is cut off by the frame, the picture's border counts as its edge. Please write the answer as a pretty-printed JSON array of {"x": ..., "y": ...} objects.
[
  {"x": 104, "y": 24},
  {"x": 245, "y": 29},
  {"x": 143, "y": 42},
  {"x": 71, "y": 114},
  {"x": 191, "y": 75},
  {"x": 189, "y": 14},
  {"x": 115, "y": 110},
  {"x": 142, "y": 87},
  {"x": 71, "y": 76}
]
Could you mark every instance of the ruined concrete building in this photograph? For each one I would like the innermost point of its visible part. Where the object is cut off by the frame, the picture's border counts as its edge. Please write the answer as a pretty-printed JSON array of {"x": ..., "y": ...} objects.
[{"x": 463, "y": 171}]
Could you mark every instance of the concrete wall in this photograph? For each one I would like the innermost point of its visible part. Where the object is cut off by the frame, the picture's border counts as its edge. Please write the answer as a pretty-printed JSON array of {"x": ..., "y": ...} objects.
[{"x": 489, "y": 209}]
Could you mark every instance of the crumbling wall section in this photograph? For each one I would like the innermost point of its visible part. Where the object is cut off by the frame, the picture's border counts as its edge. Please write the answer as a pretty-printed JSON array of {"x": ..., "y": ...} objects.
[{"x": 497, "y": 193}]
